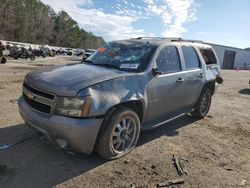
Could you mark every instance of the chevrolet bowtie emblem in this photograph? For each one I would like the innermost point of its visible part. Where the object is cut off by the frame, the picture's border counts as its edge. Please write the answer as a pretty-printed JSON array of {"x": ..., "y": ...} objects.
[{"x": 30, "y": 96}]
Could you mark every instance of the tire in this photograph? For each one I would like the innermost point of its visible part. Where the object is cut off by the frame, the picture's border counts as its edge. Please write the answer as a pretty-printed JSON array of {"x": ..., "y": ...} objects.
[
  {"x": 118, "y": 134},
  {"x": 203, "y": 105},
  {"x": 3, "y": 60},
  {"x": 32, "y": 57}
]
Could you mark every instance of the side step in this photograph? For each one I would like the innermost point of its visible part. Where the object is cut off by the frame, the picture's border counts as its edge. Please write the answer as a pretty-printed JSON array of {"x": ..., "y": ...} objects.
[{"x": 149, "y": 127}]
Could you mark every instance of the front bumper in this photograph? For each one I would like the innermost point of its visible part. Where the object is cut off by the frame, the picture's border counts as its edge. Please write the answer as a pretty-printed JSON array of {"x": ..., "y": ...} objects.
[{"x": 80, "y": 134}]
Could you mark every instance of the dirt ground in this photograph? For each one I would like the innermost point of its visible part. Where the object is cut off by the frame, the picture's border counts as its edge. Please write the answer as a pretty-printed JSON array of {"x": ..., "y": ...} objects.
[{"x": 217, "y": 147}]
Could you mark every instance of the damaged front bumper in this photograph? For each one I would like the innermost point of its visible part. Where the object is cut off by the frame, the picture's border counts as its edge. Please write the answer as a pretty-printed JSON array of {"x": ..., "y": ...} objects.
[{"x": 75, "y": 133}]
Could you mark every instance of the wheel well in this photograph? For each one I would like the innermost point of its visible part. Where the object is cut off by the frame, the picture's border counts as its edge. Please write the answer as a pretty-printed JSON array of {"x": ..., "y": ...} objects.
[
  {"x": 211, "y": 86},
  {"x": 134, "y": 105}
]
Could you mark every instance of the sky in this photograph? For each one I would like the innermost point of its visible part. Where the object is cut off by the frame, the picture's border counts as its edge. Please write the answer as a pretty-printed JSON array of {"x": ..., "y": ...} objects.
[{"x": 225, "y": 22}]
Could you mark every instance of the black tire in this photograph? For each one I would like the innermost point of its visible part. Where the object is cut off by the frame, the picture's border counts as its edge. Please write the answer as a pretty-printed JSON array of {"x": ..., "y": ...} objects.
[
  {"x": 32, "y": 57},
  {"x": 203, "y": 104},
  {"x": 3, "y": 60},
  {"x": 107, "y": 145}
]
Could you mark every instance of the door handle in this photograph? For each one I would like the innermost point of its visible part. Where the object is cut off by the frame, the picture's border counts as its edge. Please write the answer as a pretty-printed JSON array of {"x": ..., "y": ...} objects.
[
  {"x": 201, "y": 75},
  {"x": 180, "y": 80}
]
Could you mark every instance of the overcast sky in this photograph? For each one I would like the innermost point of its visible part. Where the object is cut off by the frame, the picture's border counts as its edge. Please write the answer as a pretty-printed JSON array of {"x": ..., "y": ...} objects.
[{"x": 225, "y": 22}]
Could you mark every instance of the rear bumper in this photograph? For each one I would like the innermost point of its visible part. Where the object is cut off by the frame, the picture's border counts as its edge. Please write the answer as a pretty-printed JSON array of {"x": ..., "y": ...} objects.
[{"x": 80, "y": 134}]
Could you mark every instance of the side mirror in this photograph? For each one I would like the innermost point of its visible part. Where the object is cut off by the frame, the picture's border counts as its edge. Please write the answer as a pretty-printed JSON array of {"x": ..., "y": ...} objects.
[
  {"x": 219, "y": 80},
  {"x": 156, "y": 72}
]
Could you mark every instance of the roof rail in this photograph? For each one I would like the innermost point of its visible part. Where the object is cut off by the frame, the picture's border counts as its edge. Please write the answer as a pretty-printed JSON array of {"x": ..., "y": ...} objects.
[
  {"x": 161, "y": 38},
  {"x": 173, "y": 39},
  {"x": 169, "y": 38},
  {"x": 187, "y": 40}
]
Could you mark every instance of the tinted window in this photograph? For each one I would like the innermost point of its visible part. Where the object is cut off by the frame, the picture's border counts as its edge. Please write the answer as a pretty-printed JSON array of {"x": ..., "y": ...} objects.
[
  {"x": 168, "y": 60},
  {"x": 208, "y": 56},
  {"x": 190, "y": 57}
]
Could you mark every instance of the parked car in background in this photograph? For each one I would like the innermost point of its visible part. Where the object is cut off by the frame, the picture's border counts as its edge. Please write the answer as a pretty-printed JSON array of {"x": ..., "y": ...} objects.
[
  {"x": 88, "y": 52},
  {"x": 62, "y": 51},
  {"x": 124, "y": 87},
  {"x": 79, "y": 52},
  {"x": 69, "y": 52},
  {"x": 20, "y": 51}
]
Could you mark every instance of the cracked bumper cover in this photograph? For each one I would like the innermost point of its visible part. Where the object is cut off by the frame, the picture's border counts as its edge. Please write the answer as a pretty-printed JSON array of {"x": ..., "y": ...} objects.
[{"x": 81, "y": 134}]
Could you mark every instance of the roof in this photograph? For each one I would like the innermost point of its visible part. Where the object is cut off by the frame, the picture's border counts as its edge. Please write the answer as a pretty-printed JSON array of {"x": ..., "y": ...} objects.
[{"x": 158, "y": 41}]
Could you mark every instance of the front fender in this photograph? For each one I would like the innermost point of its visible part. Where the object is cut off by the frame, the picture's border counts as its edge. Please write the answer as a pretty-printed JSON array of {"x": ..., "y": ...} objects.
[{"x": 116, "y": 91}]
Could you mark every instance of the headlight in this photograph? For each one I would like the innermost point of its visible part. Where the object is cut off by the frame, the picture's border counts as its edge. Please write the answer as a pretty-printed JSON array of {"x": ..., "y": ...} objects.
[{"x": 73, "y": 106}]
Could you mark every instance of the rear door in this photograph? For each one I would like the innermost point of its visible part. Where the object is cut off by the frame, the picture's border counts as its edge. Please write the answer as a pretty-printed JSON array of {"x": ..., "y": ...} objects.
[
  {"x": 195, "y": 76},
  {"x": 166, "y": 91}
]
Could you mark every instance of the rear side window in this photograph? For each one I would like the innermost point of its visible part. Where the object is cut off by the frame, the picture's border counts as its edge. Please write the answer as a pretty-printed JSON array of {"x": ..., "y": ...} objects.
[
  {"x": 208, "y": 56},
  {"x": 168, "y": 60},
  {"x": 190, "y": 57}
]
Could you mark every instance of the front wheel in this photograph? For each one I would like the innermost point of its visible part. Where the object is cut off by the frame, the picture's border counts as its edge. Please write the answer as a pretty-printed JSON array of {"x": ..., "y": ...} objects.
[
  {"x": 118, "y": 134},
  {"x": 203, "y": 105}
]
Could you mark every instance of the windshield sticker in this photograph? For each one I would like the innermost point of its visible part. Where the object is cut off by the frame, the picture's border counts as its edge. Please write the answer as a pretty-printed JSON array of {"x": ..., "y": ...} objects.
[
  {"x": 102, "y": 49},
  {"x": 129, "y": 66}
]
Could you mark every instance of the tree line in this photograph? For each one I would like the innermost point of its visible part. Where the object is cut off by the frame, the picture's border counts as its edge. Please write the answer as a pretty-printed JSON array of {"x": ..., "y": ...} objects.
[{"x": 32, "y": 21}]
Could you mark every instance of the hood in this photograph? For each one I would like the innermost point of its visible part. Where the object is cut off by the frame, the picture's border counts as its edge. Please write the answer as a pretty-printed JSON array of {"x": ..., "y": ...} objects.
[{"x": 68, "y": 80}]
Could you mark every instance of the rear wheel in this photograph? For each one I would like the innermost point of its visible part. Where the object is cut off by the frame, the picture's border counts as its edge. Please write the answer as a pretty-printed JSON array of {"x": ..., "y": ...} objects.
[
  {"x": 203, "y": 104},
  {"x": 118, "y": 134}
]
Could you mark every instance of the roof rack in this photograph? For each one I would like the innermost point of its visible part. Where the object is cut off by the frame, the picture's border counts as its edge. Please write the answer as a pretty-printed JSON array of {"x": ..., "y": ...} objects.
[
  {"x": 187, "y": 40},
  {"x": 172, "y": 39},
  {"x": 161, "y": 38}
]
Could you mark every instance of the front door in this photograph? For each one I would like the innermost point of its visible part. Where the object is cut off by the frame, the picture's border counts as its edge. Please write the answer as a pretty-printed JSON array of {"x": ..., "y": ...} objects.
[{"x": 166, "y": 90}]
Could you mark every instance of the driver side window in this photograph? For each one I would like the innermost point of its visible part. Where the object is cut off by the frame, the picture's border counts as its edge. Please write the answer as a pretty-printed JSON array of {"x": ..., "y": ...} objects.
[{"x": 168, "y": 60}]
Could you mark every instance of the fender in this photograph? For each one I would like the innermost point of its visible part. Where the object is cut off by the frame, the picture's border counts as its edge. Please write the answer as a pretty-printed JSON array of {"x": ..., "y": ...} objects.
[{"x": 108, "y": 94}]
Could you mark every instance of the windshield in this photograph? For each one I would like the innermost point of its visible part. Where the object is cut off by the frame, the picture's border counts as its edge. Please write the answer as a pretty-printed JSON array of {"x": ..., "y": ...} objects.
[{"x": 127, "y": 57}]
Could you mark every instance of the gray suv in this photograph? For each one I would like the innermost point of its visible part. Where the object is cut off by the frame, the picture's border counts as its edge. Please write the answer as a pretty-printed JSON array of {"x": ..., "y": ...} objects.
[{"x": 126, "y": 86}]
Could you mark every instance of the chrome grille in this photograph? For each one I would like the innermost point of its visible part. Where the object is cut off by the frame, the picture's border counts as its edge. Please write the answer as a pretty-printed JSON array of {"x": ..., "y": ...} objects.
[{"x": 38, "y": 100}]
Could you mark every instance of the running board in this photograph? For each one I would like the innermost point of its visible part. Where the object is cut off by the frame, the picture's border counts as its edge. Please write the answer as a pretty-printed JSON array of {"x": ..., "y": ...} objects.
[{"x": 146, "y": 128}]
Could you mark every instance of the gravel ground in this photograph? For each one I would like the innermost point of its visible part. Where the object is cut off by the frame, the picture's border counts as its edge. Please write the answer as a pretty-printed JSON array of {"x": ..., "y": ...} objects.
[{"x": 217, "y": 148}]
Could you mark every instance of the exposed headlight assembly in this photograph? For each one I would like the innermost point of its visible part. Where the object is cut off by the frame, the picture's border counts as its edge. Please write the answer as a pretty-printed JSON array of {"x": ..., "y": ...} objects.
[{"x": 73, "y": 106}]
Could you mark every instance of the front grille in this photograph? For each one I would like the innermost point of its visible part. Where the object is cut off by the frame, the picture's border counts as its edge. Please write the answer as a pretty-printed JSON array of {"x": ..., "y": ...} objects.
[
  {"x": 38, "y": 100},
  {"x": 41, "y": 93},
  {"x": 36, "y": 105}
]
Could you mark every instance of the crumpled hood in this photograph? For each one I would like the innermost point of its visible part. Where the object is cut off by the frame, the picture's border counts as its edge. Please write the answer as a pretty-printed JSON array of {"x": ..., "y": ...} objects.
[{"x": 68, "y": 80}]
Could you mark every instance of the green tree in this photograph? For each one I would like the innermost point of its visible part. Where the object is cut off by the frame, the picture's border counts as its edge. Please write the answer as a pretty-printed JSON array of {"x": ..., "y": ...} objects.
[{"x": 33, "y": 22}]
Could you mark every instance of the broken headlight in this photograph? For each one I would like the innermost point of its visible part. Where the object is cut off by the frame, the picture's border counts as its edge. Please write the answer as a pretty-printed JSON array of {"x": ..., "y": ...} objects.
[{"x": 73, "y": 106}]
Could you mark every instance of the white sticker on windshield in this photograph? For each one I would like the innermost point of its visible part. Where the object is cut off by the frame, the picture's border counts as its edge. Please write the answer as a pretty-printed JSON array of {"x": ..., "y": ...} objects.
[{"x": 129, "y": 66}]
